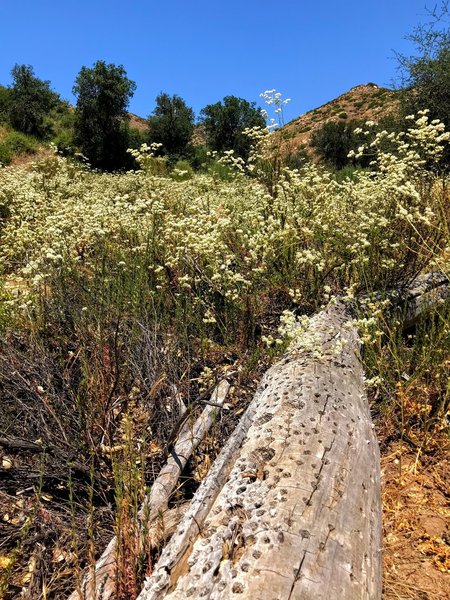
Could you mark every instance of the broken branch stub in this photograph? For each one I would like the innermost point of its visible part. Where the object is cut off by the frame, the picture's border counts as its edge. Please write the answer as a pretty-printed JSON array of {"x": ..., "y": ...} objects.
[{"x": 291, "y": 508}]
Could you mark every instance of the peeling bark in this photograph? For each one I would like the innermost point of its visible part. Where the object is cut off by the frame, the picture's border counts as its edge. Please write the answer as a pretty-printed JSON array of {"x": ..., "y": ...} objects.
[{"x": 291, "y": 508}]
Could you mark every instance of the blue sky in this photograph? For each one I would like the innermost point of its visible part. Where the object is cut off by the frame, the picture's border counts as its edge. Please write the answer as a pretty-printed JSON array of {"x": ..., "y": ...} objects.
[{"x": 203, "y": 50}]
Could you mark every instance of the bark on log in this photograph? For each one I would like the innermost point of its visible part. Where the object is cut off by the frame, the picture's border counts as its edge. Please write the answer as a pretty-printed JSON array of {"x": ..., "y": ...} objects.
[
  {"x": 426, "y": 292},
  {"x": 291, "y": 508},
  {"x": 154, "y": 516},
  {"x": 408, "y": 304}
]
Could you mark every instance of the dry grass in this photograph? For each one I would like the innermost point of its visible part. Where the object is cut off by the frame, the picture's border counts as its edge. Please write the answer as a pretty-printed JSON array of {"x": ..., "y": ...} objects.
[
  {"x": 416, "y": 513},
  {"x": 415, "y": 495}
]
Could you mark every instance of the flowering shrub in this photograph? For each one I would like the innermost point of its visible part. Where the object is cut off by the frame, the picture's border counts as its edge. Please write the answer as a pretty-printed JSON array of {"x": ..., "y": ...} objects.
[
  {"x": 130, "y": 282},
  {"x": 209, "y": 238}
]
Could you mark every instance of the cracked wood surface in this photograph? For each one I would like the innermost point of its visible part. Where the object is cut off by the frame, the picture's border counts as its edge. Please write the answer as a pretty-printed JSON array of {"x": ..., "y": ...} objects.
[{"x": 291, "y": 508}]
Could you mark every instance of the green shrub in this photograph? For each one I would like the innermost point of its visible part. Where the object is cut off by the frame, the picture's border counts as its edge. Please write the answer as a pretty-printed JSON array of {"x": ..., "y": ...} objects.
[
  {"x": 136, "y": 138},
  {"x": 335, "y": 139},
  {"x": 348, "y": 172},
  {"x": 59, "y": 124},
  {"x": 19, "y": 143},
  {"x": 220, "y": 171},
  {"x": 182, "y": 171},
  {"x": 343, "y": 115},
  {"x": 333, "y": 142},
  {"x": 297, "y": 159},
  {"x": 6, "y": 155},
  {"x": 199, "y": 158},
  {"x": 16, "y": 144},
  {"x": 64, "y": 142}
]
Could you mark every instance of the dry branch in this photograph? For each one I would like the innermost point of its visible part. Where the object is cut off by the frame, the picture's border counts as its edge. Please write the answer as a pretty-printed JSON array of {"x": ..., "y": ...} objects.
[{"x": 100, "y": 584}]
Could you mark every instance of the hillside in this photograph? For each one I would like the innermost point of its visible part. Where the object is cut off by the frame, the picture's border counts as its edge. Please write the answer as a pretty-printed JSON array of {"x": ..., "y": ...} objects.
[
  {"x": 137, "y": 122},
  {"x": 360, "y": 103}
]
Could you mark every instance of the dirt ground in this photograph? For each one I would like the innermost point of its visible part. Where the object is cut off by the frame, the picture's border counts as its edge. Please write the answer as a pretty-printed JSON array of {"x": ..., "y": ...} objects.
[{"x": 416, "y": 520}]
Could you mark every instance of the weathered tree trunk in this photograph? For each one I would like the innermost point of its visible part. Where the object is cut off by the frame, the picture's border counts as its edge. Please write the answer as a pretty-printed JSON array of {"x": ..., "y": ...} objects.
[
  {"x": 291, "y": 508},
  {"x": 424, "y": 295},
  {"x": 155, "y": 519}
]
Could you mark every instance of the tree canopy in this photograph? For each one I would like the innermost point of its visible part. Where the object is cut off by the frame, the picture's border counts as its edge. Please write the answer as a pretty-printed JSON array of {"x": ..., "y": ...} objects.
[
  {"x": 426, "y": 75},
  {"x": 172, "y": 125},
  {"x": 29, "y": 101},
  {"x": 225, "y": 121},
  {"x": 103, "y": 93},
  {"x": 428, "y": 78},
  {"x": 5, "y": 94}
]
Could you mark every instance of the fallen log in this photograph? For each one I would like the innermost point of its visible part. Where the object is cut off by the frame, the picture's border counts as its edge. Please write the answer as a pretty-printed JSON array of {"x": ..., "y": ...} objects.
[
  {"x": 291, "y": 508},
  {"x": 424, "y": 295},
  {"x": 155, "y": 519},
  {"x": 408, "y": 304}
]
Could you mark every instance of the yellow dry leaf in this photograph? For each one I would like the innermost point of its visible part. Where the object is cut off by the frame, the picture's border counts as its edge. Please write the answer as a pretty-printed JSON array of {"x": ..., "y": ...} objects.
[
  {"x": 58, "y": 555},
  {"x": 153, "y": 447}
]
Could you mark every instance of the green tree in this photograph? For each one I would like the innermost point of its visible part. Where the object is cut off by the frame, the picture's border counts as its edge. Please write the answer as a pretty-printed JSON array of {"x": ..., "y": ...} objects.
[
  {"x": 101, "y": 120},
  {"x": 333, "y": 141},
  {"x": 426, "y": 75},
  {"x": 428, "y": 80},
  {"x": 5, "y": 94},
  {"x": 172, "y": 125},
  {"x": 30, "y": 100},
  {"x": 225, "y": 121}
]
